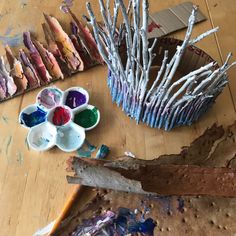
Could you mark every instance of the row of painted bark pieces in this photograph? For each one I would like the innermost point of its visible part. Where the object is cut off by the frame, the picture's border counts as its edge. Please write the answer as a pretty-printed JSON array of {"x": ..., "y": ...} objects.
[{"x": 39, "y": 64}]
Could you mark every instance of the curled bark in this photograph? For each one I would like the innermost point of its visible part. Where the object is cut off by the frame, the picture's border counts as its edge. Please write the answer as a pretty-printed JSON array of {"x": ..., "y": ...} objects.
[{"x": 200, "y": 169}]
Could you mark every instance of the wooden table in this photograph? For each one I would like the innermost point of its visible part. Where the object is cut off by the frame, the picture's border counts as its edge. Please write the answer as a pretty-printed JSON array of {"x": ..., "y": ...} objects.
[{"x": 33, "y": 187}]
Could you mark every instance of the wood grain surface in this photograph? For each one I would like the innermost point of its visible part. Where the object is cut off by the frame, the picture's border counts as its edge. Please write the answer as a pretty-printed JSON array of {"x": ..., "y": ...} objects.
[{"x": 33, "y": 186}]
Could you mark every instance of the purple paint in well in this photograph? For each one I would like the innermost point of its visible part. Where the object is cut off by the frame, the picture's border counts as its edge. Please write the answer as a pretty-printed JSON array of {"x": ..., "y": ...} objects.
[{"x": 75, "y": 99}]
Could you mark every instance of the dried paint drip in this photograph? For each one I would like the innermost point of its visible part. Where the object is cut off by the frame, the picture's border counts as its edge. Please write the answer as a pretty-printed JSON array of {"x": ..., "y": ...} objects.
[
  {"x": 87, "y": 118},
  {"x": 68, "y": 138},
  {"x": 123, "y": 223},
  {"x": 61, "y": 116},
  {"x": 75, "y": 99},
  {"x": 50, "y": 97},
  {"x": 34, "y": 118}
]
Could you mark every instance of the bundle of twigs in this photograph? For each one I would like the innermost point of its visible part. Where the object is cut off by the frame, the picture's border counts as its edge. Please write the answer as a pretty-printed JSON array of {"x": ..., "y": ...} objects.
[{"x": 166, "y": 103}]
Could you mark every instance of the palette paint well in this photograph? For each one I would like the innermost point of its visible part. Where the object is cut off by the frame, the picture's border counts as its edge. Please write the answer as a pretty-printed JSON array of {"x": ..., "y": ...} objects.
[
  {"x": 56, "y": 119},
  {"x": 75, "y": 99},
  {"x": 32, "y": 116},
  {"x": 50, "y": 97},
  {"x": 70, "y": 138},
  {"x": 61, "y": 116},
  {"x": 42, "y": 137},
  {"x": 87, "y": 118}
]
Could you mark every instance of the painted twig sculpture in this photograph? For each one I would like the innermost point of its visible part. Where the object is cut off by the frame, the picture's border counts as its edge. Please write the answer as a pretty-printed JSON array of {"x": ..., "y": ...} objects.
[{"x": 165, "y": 102}]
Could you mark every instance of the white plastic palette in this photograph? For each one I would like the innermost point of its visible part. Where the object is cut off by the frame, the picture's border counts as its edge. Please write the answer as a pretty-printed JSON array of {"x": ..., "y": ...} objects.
[{"x": 59, "y": 118}]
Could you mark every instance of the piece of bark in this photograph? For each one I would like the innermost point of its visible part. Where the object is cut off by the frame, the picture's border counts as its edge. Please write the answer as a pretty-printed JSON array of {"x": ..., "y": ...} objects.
[
  {"x": 214, "y": 148},
  {"x": 200, "y": 169},
  {"x": 16, "y": 72},
  {"x": 65, "y": 45},
  {"x": 87, "y": 38},
  {"x": 141, "y": 176}
]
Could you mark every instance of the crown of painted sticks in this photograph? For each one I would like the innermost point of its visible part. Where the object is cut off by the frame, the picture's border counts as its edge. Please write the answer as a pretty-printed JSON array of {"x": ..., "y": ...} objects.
[
  {"x": 39, "y": 65},
  {"x": 165, "y": 102}
]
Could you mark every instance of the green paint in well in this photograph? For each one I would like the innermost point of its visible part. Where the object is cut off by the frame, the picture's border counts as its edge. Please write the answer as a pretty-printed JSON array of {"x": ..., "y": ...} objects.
[{"x": 87, "y": 118}]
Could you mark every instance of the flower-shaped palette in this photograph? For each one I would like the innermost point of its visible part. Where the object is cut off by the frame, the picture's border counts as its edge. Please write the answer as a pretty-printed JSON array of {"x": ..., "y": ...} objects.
[{"x": 59, "y": 119}]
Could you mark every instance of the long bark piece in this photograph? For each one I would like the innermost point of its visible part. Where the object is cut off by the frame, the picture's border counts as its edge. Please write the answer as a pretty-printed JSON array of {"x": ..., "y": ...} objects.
[{"x": 141, "y": 176}]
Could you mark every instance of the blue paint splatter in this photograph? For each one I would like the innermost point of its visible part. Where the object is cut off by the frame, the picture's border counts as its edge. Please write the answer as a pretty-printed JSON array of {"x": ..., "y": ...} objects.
[
  {"x": 34, "y": 118},
  {"x": 165, "y": 203},
  {"x": 4, "y": 14},
  {"x": 123, "y": 223},
  {"x": 11, "y": 40},
  {"x": 5, "y": 119},
  {"x": 102, "y": 152},
  {"x": 180, "y": 204},
  {"x": 8, "y": 30},
  {"x": 90, "y": 146},
  {"x": 20, "y": 158},
  {"x": 86, "y": 150},
  {"x": 8, "y": 144},
  {"x": 83, "y": 153},
  {"x": 27, "y": 144}
]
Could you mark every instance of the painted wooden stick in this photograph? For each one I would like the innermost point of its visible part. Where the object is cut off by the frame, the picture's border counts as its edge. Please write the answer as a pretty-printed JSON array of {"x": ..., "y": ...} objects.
[{"x": 68, "y": 205}]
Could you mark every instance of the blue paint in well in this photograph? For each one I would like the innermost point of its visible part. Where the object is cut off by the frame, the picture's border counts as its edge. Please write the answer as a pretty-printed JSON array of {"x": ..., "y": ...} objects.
[
  {"x": 146, "y": 227},
  {"x": 34, "y": 118}
]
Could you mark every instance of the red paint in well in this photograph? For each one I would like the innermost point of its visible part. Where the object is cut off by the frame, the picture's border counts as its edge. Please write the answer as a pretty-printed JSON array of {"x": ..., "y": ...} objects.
[{"x": 61, "y": 116}]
